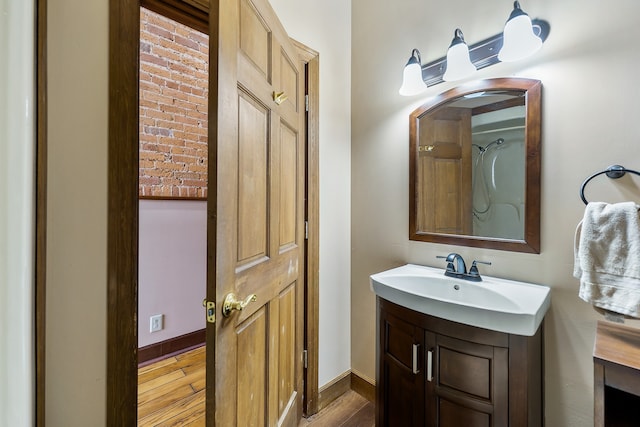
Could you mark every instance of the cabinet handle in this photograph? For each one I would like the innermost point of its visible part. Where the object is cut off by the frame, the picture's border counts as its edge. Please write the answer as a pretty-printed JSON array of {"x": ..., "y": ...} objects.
[
  {"x": 429, "y": 365},
  {"x": 416, "y": 349}
]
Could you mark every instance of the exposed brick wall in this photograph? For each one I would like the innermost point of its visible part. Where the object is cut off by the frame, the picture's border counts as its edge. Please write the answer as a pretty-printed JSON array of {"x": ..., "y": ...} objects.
[{"x": 173, "y": 108}]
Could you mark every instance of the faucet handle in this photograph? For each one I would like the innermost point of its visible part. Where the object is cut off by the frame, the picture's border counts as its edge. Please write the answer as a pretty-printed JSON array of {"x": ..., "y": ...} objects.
[
  {"x": 450, "y": 267},
  {"x": 473, "y": 271}
]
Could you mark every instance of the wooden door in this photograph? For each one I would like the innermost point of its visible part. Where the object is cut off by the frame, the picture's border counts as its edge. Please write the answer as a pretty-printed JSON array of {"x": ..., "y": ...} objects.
[
  {"x": 259, "y": 233},
  {"x": 444, "y": 172}
]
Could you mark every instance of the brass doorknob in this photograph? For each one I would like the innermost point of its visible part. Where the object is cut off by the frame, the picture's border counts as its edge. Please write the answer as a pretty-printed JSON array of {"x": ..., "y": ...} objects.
[{"x": 231, "y": 303}]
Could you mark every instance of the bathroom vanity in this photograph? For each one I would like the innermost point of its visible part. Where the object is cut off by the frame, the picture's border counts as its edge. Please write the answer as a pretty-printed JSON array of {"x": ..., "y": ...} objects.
[{"x": 435, "y": 371}]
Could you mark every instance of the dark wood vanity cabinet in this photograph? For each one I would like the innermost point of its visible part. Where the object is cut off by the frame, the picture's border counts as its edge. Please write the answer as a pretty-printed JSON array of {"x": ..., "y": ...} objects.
[
  {"x": 401, "y": 370},
  {"x": 434, "y": 372},
  {"x": 616, "y": 368}
]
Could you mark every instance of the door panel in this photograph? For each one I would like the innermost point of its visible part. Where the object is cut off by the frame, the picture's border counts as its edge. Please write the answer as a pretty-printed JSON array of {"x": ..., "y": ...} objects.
[
  {"x": 287, "y": 392},
  {"x": 468, "y": 373},
  {"x": 253, "y": 202},
  {"x": 252, "y": 360},
  {"x": 255, "y": 38},
  {"x": 288, "y": 186},
  {"x": 452, "y": 414},
  {"x": 288, "y": 80},
  {"x": 259, "y": 219}
]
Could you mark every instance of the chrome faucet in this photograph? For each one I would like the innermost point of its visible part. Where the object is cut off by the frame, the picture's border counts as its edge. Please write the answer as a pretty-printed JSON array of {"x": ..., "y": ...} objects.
[
  {"x": 455, "y": 264},
  {"x": 460, "y": 267},
  {"x": 457, "y": 268}
]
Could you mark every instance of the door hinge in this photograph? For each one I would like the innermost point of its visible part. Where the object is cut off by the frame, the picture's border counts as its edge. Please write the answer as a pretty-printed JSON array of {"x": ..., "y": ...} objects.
[
  {"x": 306, "y": 102},
  {"x": 305, "y": 359},
  {"x": 210, "y": 306},
  {"x": 306, "y": 230}
]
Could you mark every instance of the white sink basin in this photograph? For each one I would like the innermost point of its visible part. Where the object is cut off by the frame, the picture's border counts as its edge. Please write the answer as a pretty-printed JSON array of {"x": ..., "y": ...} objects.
[{"x": 497, "y": 304}]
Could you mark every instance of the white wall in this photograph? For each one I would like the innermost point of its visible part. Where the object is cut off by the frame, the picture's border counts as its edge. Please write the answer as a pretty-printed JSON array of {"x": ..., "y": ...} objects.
[
  {"x": 588, "y": 68},
  {"x": 17, "y": 171},
  {"x": 76, "y": 338},
  {"x": 325, "y": 27}
]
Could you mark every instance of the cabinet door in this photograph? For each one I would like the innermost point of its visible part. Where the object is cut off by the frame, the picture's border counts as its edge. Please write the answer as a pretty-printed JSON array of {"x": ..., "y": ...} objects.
[
  {"x": 469, "y": 384},
  {"x": 401, "y": 373}
]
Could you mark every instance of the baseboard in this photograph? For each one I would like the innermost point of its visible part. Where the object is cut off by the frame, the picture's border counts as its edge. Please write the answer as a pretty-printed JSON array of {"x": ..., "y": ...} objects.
[
  {"x": 363, "y": 387},
  {"x": 342, "y": 384},
  {"x": 334, "y": 389},
  {"x": 172, "y": 345}
]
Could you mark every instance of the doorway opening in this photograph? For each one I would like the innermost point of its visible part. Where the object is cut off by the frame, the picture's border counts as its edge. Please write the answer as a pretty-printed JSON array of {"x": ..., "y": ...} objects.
[
  {"x": 172, "y": 220},
  {"x": 124, "y": 201}
]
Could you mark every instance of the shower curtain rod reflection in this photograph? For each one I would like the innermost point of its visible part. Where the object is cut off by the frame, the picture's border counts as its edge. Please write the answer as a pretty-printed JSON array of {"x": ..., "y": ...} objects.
[{"x": 502, "y": 129}]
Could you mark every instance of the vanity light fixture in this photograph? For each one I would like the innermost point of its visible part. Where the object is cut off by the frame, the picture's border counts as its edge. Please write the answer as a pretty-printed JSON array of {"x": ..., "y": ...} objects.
[
  {"x": 412, "y": 81},
  {"x": 506, "y": 46},
  {"x": 519, "y": 40},
  {"x": 458, "y": 63}
]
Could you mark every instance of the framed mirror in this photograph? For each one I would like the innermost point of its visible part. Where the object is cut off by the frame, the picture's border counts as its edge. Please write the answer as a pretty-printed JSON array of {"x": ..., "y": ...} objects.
[{"x": 474, "y": 166}]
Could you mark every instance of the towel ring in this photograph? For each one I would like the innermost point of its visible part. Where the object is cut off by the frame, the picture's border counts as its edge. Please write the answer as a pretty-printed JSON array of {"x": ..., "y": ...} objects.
[{"x": 613, "y": 172}]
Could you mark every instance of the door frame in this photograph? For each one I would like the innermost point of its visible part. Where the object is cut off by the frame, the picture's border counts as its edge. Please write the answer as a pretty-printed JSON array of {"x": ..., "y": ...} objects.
[
  {"x": 41, "y": 210},
  {"x": 122, "y": 219},
  {"x": 122, "y": 222},
  {"x": 311, "y": 61}
]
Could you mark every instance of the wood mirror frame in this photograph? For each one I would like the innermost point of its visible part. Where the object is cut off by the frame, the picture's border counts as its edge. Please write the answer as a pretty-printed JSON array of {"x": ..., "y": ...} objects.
[{"x": 532, "y": 90}]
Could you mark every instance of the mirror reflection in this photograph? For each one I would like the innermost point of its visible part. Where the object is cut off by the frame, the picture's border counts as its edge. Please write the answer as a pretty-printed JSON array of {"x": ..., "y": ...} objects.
[{"x": 475, "y": 166}]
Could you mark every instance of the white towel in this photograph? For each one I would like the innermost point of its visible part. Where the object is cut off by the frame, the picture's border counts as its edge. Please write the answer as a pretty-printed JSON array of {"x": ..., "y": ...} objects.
[{"x": 607, "y": 257}]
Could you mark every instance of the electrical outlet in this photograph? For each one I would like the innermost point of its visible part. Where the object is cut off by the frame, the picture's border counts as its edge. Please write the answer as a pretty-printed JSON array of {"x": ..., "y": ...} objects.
[{"x": 156, "y": 323}]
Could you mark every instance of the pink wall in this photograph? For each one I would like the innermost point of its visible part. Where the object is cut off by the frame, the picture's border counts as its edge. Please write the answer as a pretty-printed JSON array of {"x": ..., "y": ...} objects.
[{"x": 172, "y": 267}]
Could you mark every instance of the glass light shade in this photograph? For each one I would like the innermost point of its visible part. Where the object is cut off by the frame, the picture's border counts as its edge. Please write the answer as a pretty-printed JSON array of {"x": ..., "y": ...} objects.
[
  {"x": 518, "y": 39},
  {"x": 459, "y": 64},
  {"x": 412, "y": 82}
]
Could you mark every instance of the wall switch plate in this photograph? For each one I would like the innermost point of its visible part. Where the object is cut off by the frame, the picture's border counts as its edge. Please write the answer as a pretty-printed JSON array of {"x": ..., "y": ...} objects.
[{"x": 156, "y": 323}]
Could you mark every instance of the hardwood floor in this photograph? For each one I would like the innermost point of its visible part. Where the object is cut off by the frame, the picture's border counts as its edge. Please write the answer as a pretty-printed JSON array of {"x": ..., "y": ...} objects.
[
  {"x": 348, "y": 410},
  {"x": 171, "y": 392}
]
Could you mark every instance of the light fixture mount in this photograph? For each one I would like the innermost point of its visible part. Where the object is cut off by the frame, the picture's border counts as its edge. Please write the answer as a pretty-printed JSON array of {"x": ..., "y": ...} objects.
[
  {"x": 517, "y": 11},
  {"x": 458, "y": 37}
]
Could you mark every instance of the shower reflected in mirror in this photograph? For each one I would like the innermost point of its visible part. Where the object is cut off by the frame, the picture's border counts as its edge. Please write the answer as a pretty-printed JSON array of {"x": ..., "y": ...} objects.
[{"x": 498, "y": 177}]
